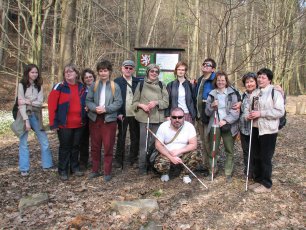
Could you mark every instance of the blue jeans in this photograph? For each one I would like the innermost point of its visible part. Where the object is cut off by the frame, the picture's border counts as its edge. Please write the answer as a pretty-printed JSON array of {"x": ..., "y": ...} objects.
[{"x": 24, "y": 156}]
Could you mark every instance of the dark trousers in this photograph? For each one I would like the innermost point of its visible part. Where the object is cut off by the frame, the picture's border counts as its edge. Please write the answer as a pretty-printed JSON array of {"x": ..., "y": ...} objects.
[
  {"x": 245, "y": 143},
  {"x": 84, "y": 146},
  {"x": 263, "y": 148},
  {"x": 102, "y": 133},
  {"x": 133, "y": 125},
  {"x": 69, "y": 146}
]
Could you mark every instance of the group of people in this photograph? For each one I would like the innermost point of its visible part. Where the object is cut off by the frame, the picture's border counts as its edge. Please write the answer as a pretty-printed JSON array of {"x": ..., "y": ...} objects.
[{"x": 87, "y": 107}]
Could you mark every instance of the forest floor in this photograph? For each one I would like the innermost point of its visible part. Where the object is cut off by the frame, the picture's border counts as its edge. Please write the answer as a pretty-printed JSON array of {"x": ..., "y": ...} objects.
[{"x": 181, "y": 206}]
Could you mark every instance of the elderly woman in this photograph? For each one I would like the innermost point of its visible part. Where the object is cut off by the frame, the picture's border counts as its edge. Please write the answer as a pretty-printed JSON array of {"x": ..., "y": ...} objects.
[
  {"x": 181, "y": 93},
  {"x": 149, "y": 102},
  {"x": 249, "y": 81},
  {"x": 67, "y": 115},
  {"x": 268, "y": 109},
  {"x": 29, "y": 116},
  {"x": 224, "y": 119}
]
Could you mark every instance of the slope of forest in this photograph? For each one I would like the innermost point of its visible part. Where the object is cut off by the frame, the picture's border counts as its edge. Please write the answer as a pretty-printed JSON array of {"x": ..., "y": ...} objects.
[{"x": 86, "y": 204}]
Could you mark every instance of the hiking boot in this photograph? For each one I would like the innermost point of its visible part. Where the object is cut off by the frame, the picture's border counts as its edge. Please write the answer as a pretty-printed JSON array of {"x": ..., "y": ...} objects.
[
  {"x": 94, "y": 175},
  {"x": 24, "y": 173},
  {"x": 262, "y": 189},
  {"x": 78, "y": 173},
  {"x": 63, "y": 177},
  {"x": 186, "y": 179},
  {"x": 164, "y": 178},
  {"x": 117, "y": 164},
  {"x": 107, "y": 178},
  {"x": 253, "y": 186},
  {"x": 229, "y": 179}
]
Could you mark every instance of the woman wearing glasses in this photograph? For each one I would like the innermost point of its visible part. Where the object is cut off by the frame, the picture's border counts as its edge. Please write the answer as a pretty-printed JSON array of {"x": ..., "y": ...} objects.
[
  {"x": 67, "y": 115},
  {"x": 149, "y": 102},
  {"x": 181, "y": 93},
  {"x": 223, "y": 120}
]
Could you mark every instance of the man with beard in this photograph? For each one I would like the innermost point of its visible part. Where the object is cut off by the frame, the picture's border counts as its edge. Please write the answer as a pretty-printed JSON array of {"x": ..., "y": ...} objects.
[{"x": 180, "y": 138}]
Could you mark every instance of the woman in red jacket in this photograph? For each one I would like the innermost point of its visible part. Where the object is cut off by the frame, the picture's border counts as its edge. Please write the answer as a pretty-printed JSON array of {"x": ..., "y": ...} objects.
[{"x": 67, "y": 115}]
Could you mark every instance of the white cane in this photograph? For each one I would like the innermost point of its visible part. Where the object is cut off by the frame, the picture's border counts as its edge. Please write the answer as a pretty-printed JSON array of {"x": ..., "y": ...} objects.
[
  {"x": 214, "y": 148},
  {"x": 182, "y": 162},
  {"x": 249, "y": 156}
]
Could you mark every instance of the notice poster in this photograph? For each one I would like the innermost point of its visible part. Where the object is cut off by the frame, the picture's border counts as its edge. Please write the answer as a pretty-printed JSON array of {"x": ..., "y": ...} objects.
[
  {"x": 167, "y": 61},
  {"x": 143, "y": 60},
  {"x": 166, "y": 77}
]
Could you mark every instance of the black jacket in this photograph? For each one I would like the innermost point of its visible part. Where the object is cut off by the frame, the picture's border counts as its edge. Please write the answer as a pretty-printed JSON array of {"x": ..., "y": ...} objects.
[
  {"x": 123, "y": 84},
  {"x": 172, "y": 88}
]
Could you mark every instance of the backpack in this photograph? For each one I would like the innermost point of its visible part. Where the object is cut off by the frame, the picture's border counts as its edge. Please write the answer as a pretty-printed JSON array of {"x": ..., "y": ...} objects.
[
  {"x": 15, "y": 106},
  {"x": 283, "y": 119}
]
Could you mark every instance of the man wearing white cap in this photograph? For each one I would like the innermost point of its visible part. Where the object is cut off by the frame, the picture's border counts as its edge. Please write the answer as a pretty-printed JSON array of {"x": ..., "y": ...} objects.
[{"x": 126, "y": 117}]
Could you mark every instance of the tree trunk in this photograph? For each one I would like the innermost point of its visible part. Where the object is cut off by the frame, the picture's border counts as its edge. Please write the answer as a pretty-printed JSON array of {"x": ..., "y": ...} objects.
[
  {"x": 67, "y": 33},
  {"x": 195, "y": 41},
  {"x": 139, "y": 20},
  {"x": 154, "y": 22},
  {"x": 54, "y": 43}
]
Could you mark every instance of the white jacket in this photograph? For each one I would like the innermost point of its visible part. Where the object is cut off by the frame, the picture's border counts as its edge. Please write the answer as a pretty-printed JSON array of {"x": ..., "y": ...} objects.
[{"x": 271, "y": 109}]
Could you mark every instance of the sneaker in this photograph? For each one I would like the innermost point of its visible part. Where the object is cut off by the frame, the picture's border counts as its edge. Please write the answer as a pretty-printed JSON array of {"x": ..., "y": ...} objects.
[
  {"x": 63, "y": 177},
  {"x": 107, "y": 178},
  {"x": 253, "y": 186},
  {"x": 262, "y": 189},
  {"x": 165, "y": 178},
  {"x": 186, "y": 179},
  {"x": 229, "y": 179},
  {"x": 94, "y": 175},
  {"x": 24, "y": 173},
  {"x": 51, "y": 169}
]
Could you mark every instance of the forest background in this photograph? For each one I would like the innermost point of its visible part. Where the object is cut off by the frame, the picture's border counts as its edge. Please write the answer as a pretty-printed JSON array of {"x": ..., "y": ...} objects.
[{"x": 241, "y": 35}]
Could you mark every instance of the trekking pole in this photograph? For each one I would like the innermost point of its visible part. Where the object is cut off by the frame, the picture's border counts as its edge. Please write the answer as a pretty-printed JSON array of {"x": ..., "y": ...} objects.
[
  {"x": 214, "y": 147},
  {"x": 122, "y": 136},
  {"x": 250, "y": 144},
  {"x": 182, "y": 162},
  {"x": 147, "y": 139}
]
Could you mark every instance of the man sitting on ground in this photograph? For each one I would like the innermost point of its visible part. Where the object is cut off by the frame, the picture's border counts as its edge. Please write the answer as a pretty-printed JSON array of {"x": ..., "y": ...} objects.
[{"x": 180, "y": 138}]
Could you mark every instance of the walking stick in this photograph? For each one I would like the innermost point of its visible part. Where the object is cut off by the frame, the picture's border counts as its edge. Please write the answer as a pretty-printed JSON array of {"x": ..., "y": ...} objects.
[
  {"x": 147, "y": 139},
  {"x": 214, "y": 147},
  {"x": 250, "y": 144},
  {"x": 249, "y": 155},
  {"x": 182, "y": 162},
  {"x": 122, "y": 136}
]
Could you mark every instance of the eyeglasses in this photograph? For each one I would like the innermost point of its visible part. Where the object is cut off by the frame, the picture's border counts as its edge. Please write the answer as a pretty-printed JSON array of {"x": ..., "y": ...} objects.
[
  {"x": 177, "y": 117},
  {"x": 154, "y": 71},
  {"x": 207, "y": 64},
  {"x": 69, "y": 71},
  {"x": 128, "y": 68}
]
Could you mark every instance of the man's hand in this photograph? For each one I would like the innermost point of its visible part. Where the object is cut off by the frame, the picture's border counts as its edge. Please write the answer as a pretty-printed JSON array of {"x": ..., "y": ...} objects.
[
  {"x": 175, "y": 160},
  {"x": 175, "y": 152},
  {"x": 24, "y": 102}
]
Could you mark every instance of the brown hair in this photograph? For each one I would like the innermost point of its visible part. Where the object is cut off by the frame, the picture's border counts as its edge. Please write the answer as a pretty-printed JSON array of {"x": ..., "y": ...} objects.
[
  {"x": 181, "y": 63},
  {"x": 219, "y": 74}
]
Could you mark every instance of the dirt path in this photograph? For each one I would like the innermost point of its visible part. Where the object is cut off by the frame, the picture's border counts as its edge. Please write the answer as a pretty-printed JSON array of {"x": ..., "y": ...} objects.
[{"x": 223, "y": 206}]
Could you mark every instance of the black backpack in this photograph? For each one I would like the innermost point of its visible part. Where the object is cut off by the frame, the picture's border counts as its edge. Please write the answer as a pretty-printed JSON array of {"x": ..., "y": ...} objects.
[{"x": 283, "y": 119}]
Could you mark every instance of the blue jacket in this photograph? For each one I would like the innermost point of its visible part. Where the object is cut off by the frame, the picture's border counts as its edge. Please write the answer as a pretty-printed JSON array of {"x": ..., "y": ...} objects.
[
  {"x": 208, "y": 85},
  {"x": 123, "y": 84}
]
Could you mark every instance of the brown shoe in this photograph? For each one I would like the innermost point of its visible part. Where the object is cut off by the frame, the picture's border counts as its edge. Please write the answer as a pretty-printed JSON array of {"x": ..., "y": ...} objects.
[
  {"x": 253, "y": 186},
  {"x": 262, "y": 189}
]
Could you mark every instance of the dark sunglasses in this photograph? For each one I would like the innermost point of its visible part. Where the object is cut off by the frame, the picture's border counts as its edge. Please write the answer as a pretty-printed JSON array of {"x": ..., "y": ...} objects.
[
  {"x": 154, "y": 71},
  {"x": 128, "y": 68},
  {"x": 207, "y": 64},
  {"x": 177, "y": 117}
]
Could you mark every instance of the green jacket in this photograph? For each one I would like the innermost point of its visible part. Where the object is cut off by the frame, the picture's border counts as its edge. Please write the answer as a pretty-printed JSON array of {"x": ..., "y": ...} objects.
[{"x": 151, "y": 91}]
